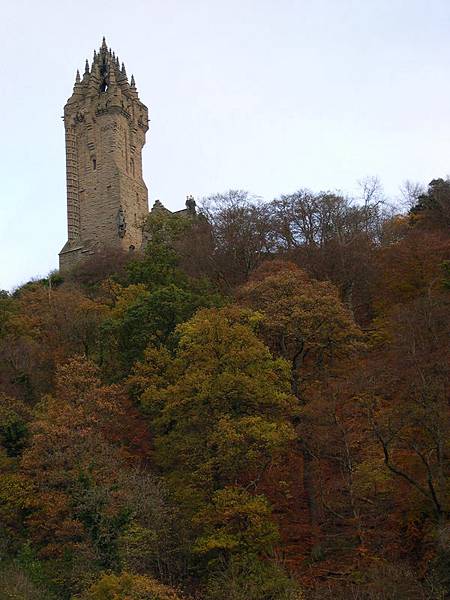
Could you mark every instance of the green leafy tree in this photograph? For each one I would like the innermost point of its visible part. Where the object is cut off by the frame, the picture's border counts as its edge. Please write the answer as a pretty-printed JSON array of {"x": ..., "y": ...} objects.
[
  {"x": 236, "y": 522},
  {"x": 432, "y": 209},
  {"x": 155, "y": 297},
  {"x": 221, "y": 388},
  {"x": 220, "y": 409},
  {"x": 14, "y": 417},
  {"x": 159, "y": 266},
  {"x": 142, "y": 316},
  {"x": 248, "y": 578}
]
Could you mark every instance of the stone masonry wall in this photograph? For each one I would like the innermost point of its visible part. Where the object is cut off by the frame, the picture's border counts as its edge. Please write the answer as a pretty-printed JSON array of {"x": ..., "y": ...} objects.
[{"x": 107, "y": 199}]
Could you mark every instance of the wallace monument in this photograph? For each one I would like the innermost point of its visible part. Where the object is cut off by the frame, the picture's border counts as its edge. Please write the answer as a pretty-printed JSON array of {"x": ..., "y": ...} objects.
[{"x": 105, "y": 125}]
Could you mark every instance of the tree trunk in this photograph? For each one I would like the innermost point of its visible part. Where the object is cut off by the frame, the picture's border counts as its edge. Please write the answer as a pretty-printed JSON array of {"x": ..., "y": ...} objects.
[{"x": 310, "y": 489}]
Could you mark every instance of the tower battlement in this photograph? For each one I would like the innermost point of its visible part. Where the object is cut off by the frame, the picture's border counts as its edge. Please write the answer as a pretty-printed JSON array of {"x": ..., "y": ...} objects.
[{"x": 105, "y": 125}]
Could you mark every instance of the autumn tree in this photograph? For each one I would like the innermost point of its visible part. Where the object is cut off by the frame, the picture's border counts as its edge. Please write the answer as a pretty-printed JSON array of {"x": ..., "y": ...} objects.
[
  {"x": 332, "y": 237},
  {"x": 85, "y": 446},
  {"x": 222, "y": 385},
  {"x": 412, "y": 422},
  {"x": 410, "y": 267},
  {"x": 303, "y": 320},
  {"x": 220, "y": 410},
  {"x": 379, "y": 431},
  {"x": 45, "y": 328},
  {"x": 129, "y": 586}
]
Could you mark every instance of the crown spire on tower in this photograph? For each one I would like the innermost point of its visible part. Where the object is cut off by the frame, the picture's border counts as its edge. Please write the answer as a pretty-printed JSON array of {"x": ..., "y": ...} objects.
[{"x": 106, "y": 73}]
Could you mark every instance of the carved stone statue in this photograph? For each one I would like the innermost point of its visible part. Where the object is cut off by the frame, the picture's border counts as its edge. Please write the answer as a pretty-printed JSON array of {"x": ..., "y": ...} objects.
[
  {"x": 121, "y": 223},
  {"x": 191, "y": 204}
]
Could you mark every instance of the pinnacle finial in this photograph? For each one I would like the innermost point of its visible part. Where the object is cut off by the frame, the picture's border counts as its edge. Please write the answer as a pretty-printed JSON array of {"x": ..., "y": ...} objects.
[
  {"x": 86, "y": 67},
  {"x": 112, "y": 76},
  {"x": 104, "y": 46},
  {"x": 94, "y": 78},
  {"x": 132, "y": 82},
  {"x": 124, "y": 73},
  {"x": 77, "y": 78}
]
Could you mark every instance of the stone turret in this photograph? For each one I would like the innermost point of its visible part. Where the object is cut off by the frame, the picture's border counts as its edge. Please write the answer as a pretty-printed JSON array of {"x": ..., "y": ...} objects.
[{"x": 105, "y": 124}]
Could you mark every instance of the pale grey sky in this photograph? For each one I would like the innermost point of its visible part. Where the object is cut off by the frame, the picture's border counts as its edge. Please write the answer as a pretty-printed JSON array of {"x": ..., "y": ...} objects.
[{"x": 263, "y": 95}]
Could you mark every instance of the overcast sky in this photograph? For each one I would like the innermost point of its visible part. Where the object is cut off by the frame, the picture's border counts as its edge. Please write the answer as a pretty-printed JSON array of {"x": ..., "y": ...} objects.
[{"x": 264, "y": 95}]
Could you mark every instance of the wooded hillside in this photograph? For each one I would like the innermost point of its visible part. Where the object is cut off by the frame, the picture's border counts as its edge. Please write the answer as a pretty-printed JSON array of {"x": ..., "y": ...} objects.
[{"x": 255, "y": 408}]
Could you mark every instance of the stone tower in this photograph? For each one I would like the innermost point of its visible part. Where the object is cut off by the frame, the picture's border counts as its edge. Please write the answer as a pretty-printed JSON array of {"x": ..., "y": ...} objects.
[{"x": 105, "y": 124}]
